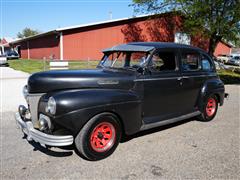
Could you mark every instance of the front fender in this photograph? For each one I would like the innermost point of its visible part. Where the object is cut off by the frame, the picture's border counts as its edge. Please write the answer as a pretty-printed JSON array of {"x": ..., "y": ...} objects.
[{"x": 76, "y": 107}]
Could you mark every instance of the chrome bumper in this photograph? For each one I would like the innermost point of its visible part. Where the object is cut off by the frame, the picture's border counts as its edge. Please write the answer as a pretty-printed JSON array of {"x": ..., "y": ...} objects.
[{"x": 42, "y": 138}]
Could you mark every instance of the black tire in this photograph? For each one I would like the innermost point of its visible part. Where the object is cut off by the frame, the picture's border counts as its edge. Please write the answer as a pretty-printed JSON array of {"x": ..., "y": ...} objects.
[
  {"x": 90, "y": 140},
  {"x": 209, "y": 113}
]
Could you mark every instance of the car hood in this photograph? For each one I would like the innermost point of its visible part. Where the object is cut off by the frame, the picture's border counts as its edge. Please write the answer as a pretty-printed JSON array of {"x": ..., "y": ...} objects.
[{"x": 48, "y": 81}]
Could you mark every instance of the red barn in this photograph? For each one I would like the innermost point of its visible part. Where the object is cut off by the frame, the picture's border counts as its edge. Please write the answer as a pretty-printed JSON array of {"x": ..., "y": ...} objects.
[
  {"x": 86, "y": 41},
  {"x": 223, "y": 48}
]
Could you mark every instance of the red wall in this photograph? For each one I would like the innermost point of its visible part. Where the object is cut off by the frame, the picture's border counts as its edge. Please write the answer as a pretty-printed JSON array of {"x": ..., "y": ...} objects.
[
  {"x": 222, "y": 48},
  {"x": 87, "y": 43},
  {"x": 41, "y": 47}
]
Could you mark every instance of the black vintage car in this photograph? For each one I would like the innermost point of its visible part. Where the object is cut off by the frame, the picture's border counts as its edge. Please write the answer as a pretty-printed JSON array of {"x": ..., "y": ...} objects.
[{"x": 136, "y": 86}]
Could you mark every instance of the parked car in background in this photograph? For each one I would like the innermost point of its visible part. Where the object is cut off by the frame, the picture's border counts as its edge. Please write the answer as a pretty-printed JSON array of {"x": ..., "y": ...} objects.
[
  {"x": 218, "y": 65},
  {"x": 3, "y": 60},
  {"x": 235, "y": 60},
  {"x": 224, "y": 58},
  {"x": 136, "y": 86},
  {"x": 11, "y": 54}
]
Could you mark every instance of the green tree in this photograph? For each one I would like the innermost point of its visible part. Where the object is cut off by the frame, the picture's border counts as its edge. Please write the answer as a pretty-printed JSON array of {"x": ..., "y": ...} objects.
[
  {"x": 215, "y": 19},
  {"x": 27, "y": 32}
]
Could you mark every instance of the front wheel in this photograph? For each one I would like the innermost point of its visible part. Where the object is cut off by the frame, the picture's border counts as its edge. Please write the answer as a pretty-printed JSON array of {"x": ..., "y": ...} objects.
[
  {"x": 99, "y": 137},
  {"x": 210, "y": 109}
]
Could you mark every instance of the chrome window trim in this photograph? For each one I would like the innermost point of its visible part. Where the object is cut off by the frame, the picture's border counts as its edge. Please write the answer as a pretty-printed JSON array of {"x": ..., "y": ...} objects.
[{"x": 165, "y": 78}]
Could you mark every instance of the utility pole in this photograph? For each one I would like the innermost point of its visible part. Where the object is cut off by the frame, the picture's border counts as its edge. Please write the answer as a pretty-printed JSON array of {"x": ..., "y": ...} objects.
[{"x": 110, "y": 15}]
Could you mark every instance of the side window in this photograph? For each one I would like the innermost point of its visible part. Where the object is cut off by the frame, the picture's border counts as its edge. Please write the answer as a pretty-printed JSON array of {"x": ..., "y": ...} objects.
[
  {"x": 205, "y": 63},
  {"x": 163, "y": 61},
  {"x": 190, "y": 61}
]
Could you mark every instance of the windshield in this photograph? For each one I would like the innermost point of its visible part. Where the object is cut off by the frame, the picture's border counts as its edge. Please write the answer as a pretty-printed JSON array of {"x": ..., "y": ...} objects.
[
  {"x": 125, "y": 59},
  {"x": 11, "y": 53}
]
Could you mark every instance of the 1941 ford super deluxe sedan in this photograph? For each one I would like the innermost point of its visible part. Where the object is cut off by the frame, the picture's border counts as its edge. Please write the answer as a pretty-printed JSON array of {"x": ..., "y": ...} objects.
[{"x": 136, "y": 86}]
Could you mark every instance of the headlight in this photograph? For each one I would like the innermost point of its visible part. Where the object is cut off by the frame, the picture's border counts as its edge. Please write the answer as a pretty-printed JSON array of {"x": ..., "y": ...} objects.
[
  {"x": 51, "y": 106},
  {"x": 25, "y": 91}
]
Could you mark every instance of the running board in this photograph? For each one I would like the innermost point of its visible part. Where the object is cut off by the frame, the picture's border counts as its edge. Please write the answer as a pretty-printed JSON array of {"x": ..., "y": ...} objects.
[{"x": 169, "y": 121}]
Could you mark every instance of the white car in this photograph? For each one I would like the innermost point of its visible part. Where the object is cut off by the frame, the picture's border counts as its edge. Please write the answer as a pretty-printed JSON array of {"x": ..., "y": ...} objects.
[
  {"x": 3, "y": 60},
  {"x": 11, "y": 54},
  {"x": 224, "y": 58},
  {"x": 235, "y": 60}
]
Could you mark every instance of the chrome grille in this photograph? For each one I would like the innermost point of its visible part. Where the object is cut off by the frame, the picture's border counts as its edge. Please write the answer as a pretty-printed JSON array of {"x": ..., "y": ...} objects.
[{"x": 33, "y": 100}]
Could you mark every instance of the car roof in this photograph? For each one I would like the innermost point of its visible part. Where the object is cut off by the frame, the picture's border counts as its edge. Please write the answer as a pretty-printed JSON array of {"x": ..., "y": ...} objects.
[
  {"x": 148, "y": 46},
  {"x": 159, "y": 45}
]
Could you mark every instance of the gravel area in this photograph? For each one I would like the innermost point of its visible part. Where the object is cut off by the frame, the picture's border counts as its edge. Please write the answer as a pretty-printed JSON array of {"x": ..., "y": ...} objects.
[{"x": 186, "y": 150}]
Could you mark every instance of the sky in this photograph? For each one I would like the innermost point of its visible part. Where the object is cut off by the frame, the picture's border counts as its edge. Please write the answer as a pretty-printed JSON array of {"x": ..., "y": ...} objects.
[{"x": 46, "y": 15}]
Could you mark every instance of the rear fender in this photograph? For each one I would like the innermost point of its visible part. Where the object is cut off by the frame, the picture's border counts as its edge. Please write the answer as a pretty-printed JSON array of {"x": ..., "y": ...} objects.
[{"x": 211, "y": 86}]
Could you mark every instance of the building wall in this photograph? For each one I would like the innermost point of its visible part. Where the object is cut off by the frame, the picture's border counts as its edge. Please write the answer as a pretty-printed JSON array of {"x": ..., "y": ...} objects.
[
  {"x": 222, "y": 48},
  {"x": 41, "y": 47},
  {"x": 87, "y": 43}
]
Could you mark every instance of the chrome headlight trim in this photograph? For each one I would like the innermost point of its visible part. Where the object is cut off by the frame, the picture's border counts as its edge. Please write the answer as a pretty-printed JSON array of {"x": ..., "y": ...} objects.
[
  {"x": 25, "y": 91},
  {"x": 51, "y": 106}
]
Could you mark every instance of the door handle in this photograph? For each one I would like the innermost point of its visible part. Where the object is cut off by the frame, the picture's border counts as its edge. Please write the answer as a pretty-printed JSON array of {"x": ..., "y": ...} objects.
[{"x": 182, "y": 77}]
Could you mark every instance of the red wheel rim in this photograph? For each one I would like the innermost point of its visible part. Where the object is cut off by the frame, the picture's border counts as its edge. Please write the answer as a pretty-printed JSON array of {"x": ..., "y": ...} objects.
[
  {"x": 211, "y": 107},
  {"x": 103, "y": 137}
]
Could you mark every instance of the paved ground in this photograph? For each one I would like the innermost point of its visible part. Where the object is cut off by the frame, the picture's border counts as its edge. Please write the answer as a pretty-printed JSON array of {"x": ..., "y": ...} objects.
[
  {"x": 185, "y": 150},
  {"x": 11, "y": 86}
]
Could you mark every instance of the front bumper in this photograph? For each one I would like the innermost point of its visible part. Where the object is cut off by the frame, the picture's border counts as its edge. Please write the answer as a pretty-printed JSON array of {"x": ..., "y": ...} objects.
[{"x": 43, "y": 138}]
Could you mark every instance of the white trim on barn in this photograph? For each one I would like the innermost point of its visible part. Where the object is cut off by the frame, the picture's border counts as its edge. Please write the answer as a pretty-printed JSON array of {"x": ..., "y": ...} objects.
[
  {"x": 28, "y": 50},
  {"x": 61, "y": 46}
]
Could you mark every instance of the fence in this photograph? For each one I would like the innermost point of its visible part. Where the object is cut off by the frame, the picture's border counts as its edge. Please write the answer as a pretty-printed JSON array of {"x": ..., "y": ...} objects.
[{"x": 56, "y": 64}]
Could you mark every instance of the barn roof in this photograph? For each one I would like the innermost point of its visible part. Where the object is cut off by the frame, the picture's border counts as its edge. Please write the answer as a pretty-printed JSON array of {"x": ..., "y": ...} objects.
[
  {"x": 59, "y": 30},
  {"x": 102, "y": 22}
]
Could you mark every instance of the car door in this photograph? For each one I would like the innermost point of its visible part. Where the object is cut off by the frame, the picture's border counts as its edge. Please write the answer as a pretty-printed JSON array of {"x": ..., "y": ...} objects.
[
  {"x": 162, "y": 88},
  {"x": 193, "y": 78}
]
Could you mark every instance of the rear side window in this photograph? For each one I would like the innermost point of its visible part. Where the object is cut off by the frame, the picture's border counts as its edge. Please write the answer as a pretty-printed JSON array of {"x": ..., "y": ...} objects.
[
  {"x": 190, "y": 61},
  {"x": 205, "y": 63}
]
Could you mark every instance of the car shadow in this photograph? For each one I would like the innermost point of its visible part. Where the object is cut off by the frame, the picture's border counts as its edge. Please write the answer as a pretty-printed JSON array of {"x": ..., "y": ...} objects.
[
  {"x": 68, "y": 150},
  {"x": 126, "y": 138}
]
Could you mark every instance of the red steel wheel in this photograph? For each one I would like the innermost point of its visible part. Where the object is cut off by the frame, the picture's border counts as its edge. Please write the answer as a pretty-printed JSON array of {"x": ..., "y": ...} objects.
[
  {"x": 99, "y": 137},
  {"x": 209, "y": 110},
  {"x": 103, "y": 137},
  {"x": 211, "y": 107}
]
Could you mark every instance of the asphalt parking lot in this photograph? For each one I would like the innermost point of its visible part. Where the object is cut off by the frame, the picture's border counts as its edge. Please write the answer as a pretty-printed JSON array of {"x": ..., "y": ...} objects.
[{"x": 191, "y": 149}]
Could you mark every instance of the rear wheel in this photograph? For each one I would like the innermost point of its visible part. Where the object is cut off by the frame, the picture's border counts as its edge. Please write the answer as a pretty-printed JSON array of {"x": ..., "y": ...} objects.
[
  {"x": 210, "y": 109},
  {"x": 99, "y": 137}
]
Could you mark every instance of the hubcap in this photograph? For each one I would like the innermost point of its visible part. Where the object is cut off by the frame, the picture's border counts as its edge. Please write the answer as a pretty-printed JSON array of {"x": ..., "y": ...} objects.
[
  {"x": 103, "y": 137},
  {"x": 211, "y": 107}
]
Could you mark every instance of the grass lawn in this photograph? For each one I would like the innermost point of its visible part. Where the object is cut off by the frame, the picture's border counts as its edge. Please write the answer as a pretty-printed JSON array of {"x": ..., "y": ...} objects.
[
  {"x": 229, "y": 77},
  {"x": 32, "y": 66}
]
